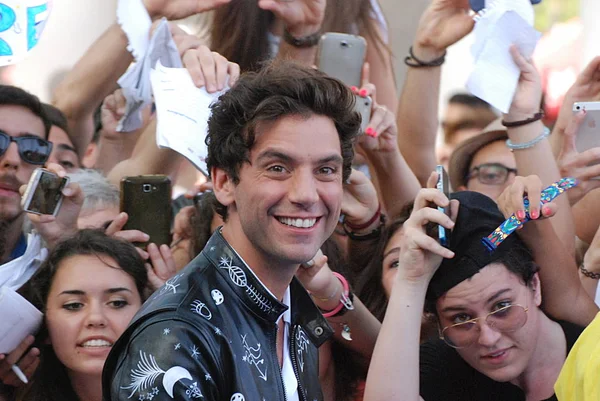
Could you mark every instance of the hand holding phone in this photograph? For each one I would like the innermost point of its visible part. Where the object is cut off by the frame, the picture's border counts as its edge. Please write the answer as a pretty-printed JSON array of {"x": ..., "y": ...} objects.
[
  {"x": 147, "y": 201},
  {"x": 44, "y": 192},
  {"x": 443, "y": 186}
]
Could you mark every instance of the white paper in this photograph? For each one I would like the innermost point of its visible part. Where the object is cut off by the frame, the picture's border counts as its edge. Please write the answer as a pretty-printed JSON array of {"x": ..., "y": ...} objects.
[
  {"x": 19, "y": 319},
  {"x": 135, "y": 83},
  {"x": 182, "y": 112},
  {"x": 495, "y": 75},
  {"x": 488, "y": 18},
  {"x": 136, "y": 23},
  {"x": 21, "y": 25}
]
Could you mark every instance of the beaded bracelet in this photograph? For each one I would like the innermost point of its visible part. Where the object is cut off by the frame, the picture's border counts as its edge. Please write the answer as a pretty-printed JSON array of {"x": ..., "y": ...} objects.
[
  {"x": 345, "y": 300},
  {"x": 529, "y": 144},
  {"x": 587, "y": 273}
]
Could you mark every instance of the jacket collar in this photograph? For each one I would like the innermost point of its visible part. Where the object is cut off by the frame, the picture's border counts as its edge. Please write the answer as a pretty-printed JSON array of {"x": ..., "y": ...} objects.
[
  {"x": 255, "y": 296},
  {"x": 242, "y": 279}
]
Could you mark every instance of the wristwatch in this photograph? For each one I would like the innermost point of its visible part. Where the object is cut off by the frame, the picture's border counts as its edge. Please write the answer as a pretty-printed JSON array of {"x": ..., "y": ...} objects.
[{"x": 305, "y": 41}]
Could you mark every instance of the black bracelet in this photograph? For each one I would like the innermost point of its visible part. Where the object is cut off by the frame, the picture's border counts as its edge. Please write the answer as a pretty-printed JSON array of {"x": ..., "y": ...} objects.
[
  {"x": 412, "y": 61},
  {"x": 588, "y": 273},
  {"x": 512, "y": 124},
  {"x": 305, "y": 41}
]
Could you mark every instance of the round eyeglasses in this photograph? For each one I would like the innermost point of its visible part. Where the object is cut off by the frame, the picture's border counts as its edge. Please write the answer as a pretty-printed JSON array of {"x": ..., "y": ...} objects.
[
  {"x": 491, "y": 173},
  {"x": 505, "y": 320}
]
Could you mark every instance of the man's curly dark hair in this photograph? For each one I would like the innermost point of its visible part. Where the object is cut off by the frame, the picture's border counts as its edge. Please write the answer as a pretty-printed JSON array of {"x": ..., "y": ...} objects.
[{"x": 278, "y": 90}]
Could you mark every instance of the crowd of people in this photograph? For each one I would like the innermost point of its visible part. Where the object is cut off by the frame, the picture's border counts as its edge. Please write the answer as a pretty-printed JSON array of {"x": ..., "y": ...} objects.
[{"x": 307, "y": 264}]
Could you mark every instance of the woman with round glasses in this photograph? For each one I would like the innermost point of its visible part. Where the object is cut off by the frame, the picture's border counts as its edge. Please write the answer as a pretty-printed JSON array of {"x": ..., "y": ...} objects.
[{"x": 496, "y": 343}]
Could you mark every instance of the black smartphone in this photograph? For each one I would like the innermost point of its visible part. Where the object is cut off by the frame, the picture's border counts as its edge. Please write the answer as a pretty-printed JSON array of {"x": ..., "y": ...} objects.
[
  {"x": 44, "y": 192},
  {"x": 443, "y": 186},
  {"x": 147, "y": 201}
]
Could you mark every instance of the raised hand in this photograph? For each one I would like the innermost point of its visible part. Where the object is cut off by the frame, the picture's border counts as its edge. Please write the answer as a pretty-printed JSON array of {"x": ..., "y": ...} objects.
[
  {"x": 209, "y": 69},
  {"x": 53, "y": 228},
  {"x": 511, "y": 200},
  {"x": 442, "y": 24},
  {"x": 584, "y": 166},
  {"x": 179, "y": 9},
  {"x": 585, "y": 89},
  {"x": 301, "y": 17},
  {"x": 528, "y": 96},
  {"x": 421, "y": 255},
  {"x": 26, "y": 358},
  {"x": 161, "y": 266},
  {"x": 360, "y": 202}
]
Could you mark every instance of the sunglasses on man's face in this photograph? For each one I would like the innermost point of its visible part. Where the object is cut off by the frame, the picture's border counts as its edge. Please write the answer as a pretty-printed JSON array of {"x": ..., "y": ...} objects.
[{"x": 32, "y": 149}]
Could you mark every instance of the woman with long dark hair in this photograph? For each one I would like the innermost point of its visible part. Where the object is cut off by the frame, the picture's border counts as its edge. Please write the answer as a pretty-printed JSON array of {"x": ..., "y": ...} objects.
[{"x": 89, "y": 288}]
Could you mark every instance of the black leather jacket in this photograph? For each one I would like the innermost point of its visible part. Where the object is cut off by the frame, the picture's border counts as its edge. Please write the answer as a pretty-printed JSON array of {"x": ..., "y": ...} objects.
[{"x": 210, "y": 333}]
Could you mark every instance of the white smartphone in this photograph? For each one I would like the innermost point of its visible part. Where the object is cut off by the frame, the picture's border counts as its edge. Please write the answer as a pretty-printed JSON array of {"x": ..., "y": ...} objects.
[
  {"x": 342, "y": 56},
  {"x": 44, "y": 192},
  {"x": 589, "y": 131}
]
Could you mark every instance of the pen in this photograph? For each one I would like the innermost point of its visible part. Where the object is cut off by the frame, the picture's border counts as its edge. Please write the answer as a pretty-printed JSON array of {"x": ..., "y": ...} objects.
[{"x": 19, "y": 374}]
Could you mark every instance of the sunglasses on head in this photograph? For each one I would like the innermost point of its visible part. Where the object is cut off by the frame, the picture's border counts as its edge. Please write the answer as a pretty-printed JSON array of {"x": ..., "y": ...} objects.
[{"x": 32, "y": 149}]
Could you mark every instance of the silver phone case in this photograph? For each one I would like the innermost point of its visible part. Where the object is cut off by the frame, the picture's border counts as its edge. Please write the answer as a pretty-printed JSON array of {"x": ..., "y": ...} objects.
[{"x": 30, "y": 190}]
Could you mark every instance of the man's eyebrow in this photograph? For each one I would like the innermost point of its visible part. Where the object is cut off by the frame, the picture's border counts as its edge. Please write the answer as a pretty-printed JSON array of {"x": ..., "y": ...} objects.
[
  {"x": 333, "y": 158},
  {"x": 274, "y": 154}
]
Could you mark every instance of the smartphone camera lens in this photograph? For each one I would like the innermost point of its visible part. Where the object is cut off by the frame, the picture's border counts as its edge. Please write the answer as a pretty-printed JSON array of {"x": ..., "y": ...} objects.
[
  {"x": 147, "y": 188},
  {"x": 578, "y": 107},
  {"x": 344, "y": 43}
]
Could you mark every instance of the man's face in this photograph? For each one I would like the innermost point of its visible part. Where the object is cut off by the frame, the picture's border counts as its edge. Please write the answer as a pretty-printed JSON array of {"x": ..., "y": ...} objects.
[
  {"x": 15, "y": 121},
  {"x": 288, "y": 199},
  {"x": 63, "y": 151},
  {"x": 495, "y": 152},
  {"x": 445, "y": 149}
]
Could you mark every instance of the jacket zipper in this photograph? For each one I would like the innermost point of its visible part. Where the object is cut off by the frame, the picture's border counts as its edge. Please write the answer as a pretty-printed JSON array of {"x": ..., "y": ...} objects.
[
  {"x": 277, "y": 361},
  {"x": 295, "y": 362}
]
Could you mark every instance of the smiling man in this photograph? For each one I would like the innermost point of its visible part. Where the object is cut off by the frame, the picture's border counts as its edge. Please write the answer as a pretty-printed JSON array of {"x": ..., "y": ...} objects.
[
  {"x": 24, "y": 130},
  {"x": 235, "y": 324}
]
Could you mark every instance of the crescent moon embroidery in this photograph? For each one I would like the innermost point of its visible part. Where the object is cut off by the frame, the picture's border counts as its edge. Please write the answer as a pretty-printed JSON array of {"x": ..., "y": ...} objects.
[
  {"x": 201, "y": 309},
  {"x": 172, "y": 376}
]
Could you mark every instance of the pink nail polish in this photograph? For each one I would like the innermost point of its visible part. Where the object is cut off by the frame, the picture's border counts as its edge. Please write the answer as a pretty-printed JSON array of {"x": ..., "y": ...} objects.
[
  {"x": 535, "y": 214},
  {"x": 363, "y": 92},
  {"x": 520, "y": 215},
  {"x": 369, "y": 131},
  {"x": 354, "y": 89}
]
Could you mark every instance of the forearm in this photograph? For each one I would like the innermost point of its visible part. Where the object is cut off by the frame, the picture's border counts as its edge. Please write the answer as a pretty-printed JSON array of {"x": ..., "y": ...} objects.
[
  {"x": 147, "y": 158},
  {"x": 586, "y": 216},
  {"x": 92, "y": 79},
  {"x": 590, "y": 285},
  {"x": 382, "y": 72},
  {"x": 397, "y": 347},
  {"x": 563, "y": 296},
  {"x": 417, "y": 117},
  {"x": 302, "y": 55},
  {"x": 363, "y": 326},
  {"x": 539, "y": 160},
  {"x": 398, "y": 185},
  {"x": 111, "y": 151}
]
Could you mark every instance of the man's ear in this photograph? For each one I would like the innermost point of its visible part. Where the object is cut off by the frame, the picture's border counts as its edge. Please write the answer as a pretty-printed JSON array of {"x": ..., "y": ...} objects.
[
  {"x": 537, "y": 289},
  {"x": 223, "y": 186}
]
